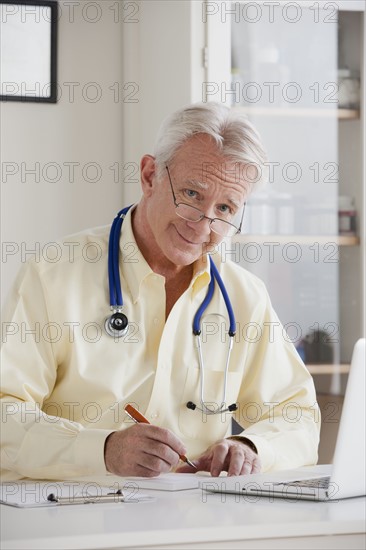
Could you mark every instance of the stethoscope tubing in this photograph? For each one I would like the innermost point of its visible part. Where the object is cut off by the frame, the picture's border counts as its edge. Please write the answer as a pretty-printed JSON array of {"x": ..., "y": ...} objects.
[
  {"x": 229, "y": 307},
  {"x": 200, "y": 311},
  {"x": 115, "y": 290},
  {"x": 116, "y": 304},
  {"x": 215, "y": 276}
]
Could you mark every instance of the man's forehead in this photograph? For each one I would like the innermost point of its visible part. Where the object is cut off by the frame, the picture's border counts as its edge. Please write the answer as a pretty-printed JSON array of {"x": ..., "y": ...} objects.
[
  {"x": 198, "y": 183},
  {"x": 201, "y": 172}
]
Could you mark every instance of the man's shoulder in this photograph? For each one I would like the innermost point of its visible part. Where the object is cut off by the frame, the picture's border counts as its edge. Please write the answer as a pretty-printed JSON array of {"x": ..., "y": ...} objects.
[
  {"x": 99, "y": 233},
  {"x": 232, "y": 272},
  {"x": 88, "y": 246},
  {"x": 246, "y": 290}
]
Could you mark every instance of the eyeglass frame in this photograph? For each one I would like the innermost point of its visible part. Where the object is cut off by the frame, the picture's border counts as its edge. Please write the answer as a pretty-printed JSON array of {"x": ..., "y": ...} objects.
[{"x": 203, "y": 216}]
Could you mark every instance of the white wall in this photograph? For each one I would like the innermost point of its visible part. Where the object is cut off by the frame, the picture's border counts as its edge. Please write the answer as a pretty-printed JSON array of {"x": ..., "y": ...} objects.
[
  {"x": 75, "y": 129},
  {"x": 163, "y": 55},
  {"x": 145, "y": 58}
]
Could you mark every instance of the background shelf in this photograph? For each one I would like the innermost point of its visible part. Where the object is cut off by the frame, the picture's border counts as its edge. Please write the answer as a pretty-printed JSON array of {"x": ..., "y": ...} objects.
[
  {"x": 340, "y": 240},
  {"x": 270, "y": 111},
  {"x": 328, "y": 369}
]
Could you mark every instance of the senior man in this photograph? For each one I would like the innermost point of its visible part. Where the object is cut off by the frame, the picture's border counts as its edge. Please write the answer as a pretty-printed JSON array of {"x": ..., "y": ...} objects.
[{"x": 64, "y": 388}]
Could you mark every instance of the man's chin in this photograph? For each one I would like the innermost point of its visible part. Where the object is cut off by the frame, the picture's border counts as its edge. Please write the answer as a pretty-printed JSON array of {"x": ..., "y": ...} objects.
[{"x": 184, "y": 258}]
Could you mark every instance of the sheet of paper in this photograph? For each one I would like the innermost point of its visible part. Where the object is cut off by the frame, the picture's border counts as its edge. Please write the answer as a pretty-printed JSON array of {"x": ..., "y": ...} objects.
[{"x": 169, "y": 482}]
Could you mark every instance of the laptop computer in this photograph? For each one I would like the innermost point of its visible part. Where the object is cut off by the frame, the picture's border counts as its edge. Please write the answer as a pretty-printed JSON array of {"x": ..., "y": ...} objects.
[{"x": 343, "y": 479}]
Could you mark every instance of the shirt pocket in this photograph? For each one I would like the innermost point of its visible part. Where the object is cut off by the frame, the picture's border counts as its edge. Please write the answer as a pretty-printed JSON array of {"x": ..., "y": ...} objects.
[{"x": 198, "y": 424}]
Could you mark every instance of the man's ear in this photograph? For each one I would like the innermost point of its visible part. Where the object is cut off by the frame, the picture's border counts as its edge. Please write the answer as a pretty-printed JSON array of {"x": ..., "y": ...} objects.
[{"x": 148, "y": 174}]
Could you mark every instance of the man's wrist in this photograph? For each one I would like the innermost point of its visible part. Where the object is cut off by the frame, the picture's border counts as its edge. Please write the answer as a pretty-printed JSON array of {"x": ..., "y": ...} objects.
[
  {"x": 244, "y": 440},
  {"x": 106, "y": 456}
]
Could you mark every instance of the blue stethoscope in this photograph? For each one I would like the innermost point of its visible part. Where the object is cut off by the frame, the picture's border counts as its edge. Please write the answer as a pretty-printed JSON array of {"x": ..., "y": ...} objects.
[{"x": 116, "y": 325}]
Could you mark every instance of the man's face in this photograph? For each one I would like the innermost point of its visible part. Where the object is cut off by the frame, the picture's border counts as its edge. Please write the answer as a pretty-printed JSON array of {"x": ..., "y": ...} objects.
[{"x": 200, "y": 177}]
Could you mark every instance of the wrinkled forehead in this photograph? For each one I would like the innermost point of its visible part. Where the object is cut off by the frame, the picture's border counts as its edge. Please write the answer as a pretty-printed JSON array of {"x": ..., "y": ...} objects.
[{"x": 200, "y": 160}]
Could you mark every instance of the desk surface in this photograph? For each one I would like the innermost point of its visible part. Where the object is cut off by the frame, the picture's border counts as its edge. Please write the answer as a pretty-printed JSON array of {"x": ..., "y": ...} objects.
[{"x": 187, "y": 519}]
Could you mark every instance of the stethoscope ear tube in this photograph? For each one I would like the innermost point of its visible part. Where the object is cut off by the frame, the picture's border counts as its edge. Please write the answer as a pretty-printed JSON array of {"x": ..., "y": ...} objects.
[
  {"x": 204, "y": 408},
  {"x": 215, "y": 276}
]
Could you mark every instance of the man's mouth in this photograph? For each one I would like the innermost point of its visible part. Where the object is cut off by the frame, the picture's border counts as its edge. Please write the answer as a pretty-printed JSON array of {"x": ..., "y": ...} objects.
[{"x": 188, "y": 241}]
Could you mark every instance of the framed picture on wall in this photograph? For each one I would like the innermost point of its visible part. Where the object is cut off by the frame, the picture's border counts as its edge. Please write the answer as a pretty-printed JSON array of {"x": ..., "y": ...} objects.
[{"x": 28, "y": 50}]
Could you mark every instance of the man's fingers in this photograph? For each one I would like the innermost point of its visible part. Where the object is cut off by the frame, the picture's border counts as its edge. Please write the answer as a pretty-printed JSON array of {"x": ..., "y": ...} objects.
[
  {"x": 164, "y": 436},
  {"x": 158, "y": 456},
  {"x": 234, "y": 457},
  {"x": 246, "y": 468},
  {"x": 219, "y": 456},
  {"x": 239, "y": 463},
  {"x": 142, "y": 449},
  {"x": 251, "y": 466},
  {"x": 257, "y": 466},
  {"x": 202, "y": 463}
]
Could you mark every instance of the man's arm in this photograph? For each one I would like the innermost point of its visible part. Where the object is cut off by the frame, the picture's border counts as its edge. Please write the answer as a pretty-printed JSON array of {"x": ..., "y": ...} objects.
[{"x": 35, "y": 444}]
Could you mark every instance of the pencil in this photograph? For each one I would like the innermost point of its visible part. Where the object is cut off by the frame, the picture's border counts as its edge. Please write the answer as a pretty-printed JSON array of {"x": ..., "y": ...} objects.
[{"x": 139, "y": 418}]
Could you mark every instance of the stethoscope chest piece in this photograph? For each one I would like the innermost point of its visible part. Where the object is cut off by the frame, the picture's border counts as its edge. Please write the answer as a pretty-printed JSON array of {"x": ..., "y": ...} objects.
[{"x": 116, "y": 325}]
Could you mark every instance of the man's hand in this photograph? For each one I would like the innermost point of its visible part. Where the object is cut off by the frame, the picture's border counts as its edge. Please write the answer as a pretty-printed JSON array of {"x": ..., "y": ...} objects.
[
  {"x": 142, "y": 450},
  {"x": 234, "y": 457}
]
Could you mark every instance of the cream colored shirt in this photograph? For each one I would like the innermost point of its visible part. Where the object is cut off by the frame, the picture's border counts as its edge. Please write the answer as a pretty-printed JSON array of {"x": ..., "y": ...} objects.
[{"x": 65, "y": 382}]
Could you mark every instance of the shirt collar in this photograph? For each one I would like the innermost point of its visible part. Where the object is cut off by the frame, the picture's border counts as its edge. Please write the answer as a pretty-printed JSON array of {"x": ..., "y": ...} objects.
[{"x": 201, "y": 274}]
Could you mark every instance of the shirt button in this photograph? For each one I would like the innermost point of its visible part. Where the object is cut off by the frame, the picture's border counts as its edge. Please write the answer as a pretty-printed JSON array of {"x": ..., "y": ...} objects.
[
  {"x": 154, "y": 415},
  {"x": 156, "y": 320}
]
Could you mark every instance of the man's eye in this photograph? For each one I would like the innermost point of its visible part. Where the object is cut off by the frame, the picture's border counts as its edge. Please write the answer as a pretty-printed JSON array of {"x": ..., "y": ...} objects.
[
  {"x": 190, "y": 193},
  {"x": 225, "y": 209}
]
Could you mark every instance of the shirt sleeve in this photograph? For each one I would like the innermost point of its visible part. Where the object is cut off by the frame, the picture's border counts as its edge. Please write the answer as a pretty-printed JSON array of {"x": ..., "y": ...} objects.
[
  {"x": 35, "y": 444},
  {"x": 277, "y": 400}
]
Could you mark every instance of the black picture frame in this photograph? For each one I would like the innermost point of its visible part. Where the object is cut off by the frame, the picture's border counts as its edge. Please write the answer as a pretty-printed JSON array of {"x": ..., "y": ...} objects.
[{"x": 48, "y": 92}]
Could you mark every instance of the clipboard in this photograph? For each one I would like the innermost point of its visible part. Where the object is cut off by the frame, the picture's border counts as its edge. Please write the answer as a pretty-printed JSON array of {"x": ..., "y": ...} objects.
[
  {"x": 118, "y": 496},
  {"x": 30, "y": 493},
  {"x": 35, "y": 494}
]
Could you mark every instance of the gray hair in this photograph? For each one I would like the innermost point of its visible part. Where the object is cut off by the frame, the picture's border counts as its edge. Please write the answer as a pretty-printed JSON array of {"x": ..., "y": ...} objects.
[{"x": 235, "y": 137}]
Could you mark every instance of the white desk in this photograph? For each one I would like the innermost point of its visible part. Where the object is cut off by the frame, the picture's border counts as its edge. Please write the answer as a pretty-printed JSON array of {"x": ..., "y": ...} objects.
[{"x": 188, "y": 519}]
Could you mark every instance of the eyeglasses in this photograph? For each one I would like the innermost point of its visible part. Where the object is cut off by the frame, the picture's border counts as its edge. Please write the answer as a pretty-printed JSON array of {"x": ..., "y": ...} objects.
[{"x": 192, "y": 214}]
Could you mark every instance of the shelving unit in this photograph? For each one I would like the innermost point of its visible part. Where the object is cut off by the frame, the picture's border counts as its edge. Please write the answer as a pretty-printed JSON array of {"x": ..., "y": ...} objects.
[
  {"x": 311, "y": 290},
  {"x": 312, "y": 133}
]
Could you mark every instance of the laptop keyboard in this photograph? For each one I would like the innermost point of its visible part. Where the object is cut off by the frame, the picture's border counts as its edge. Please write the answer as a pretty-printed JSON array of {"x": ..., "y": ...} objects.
[{"x": 319, "y": 482}]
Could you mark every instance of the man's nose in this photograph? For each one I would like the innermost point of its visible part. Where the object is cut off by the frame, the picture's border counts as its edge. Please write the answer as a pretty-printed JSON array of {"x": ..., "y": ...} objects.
[{"x": 203, "y": 227}]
